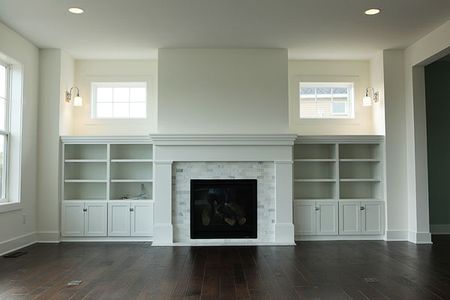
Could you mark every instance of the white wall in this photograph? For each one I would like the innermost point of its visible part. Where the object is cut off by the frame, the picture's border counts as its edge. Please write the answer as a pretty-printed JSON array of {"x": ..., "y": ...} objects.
[
  {"x": 14, "y": 232},
  {"x": 87, "y": 71},
  {"x": 55, "y": 117},
  {"x": 396, "y": 186},
  {"x": 222, "y": 91},
  {"x": 332, "y": 71},
  {"x": 66, "y": 118},
  {"x": 377, "y": 82}
]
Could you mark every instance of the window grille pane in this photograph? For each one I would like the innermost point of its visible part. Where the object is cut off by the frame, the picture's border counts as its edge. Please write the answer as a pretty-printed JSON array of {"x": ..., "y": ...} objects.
[
  {"x": 137, "y": 110},
  {"x": 104, "y": 110},
  {"x": 137, "y": 95},
  {"x": 121, "y": 110},
  {"x": 3, "y": 81},
  {"x": 121, "y": 94},
  {"x": 340, "y": 90},
  {"x": 2, "y": 166},
  {"x": 339, "y": 107},
  {"x": 323, "y": 91},
  {"x": 104, "y": 94},
  {"x": 307, "y": 91},
  {"x": 308, "y": 109},
  {"x": 2, "y": 114}
]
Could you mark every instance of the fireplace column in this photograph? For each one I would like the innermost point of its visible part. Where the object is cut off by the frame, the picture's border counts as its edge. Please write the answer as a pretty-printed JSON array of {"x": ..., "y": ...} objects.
[
  {"x": 163, "y": 202},
  {"x": 284, "y": 227}
]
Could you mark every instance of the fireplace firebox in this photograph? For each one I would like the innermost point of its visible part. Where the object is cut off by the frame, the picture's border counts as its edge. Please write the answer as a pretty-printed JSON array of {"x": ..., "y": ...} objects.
[{"x": 223, "y": 208}]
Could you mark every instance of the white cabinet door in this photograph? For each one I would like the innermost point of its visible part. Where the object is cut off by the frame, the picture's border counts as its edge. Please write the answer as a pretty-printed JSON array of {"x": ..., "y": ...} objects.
[
  {"x": 141, "y": 218},
  {"x": 372, "y": 217},
  {"x": 119, "y": 218},
  {"x": 72, "y": 218},
  {"x": 349, "y": 217},
  {"x": 326, "y": 218},
  {"x": 304, "y": 217},
  {"x": 95, "y": 218}
]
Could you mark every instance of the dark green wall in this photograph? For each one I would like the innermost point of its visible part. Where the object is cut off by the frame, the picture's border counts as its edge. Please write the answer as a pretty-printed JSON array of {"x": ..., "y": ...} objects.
[{"x": 437, "y": 80}]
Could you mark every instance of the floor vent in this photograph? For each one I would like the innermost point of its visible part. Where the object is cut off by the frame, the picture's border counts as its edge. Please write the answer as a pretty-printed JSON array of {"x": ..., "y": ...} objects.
[
  {"x": 14, "y": 254},
  {"x": 370, "y": 280},
  {"x": 74, "y": 283}
]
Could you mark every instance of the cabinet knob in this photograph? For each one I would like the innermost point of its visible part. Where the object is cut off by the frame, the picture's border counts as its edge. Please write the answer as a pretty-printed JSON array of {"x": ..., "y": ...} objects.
[
  {"x": 131, "y": 209},
  {"x": 85, "y": 209},
  {"x": 362, "y": 208},
  {"x": 317, "y": 208}
]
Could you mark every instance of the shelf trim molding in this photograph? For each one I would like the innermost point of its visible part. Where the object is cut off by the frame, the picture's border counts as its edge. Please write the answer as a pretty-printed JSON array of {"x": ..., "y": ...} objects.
[
  {"x": 330, "y": 139},
  {"x": 223, "y": 139},
  {"x": 136, "y": 139}
]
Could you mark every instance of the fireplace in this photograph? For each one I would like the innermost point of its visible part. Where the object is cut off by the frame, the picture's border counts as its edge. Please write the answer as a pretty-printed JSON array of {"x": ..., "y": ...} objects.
[{"x": 223, "y": 208}]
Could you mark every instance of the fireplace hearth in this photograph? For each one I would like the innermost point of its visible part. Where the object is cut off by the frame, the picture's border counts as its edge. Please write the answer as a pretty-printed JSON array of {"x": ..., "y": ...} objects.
[{"x": 223, "y": 208}]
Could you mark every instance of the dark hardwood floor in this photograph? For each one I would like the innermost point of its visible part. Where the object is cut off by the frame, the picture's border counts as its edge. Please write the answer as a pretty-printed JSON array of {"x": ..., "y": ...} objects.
[{"x": 311, "y": 270}]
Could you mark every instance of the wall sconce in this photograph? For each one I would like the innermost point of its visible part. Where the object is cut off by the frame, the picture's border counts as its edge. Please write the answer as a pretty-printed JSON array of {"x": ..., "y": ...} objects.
[
  {"x": 371, "y": 97},
  {"x": 77, "y": 100}
]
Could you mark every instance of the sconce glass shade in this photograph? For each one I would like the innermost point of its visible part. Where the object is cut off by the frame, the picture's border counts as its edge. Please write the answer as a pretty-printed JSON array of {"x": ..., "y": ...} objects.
[
  {"x": 77, "y": 101},
  {"x": 367, "y": 101}
]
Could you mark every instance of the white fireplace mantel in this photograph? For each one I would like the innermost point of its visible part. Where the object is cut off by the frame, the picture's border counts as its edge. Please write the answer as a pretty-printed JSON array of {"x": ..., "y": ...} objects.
[{"x": 169, "y": 149}]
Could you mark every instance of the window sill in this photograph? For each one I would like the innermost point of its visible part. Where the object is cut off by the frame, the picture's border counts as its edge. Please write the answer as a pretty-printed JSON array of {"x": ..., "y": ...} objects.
[{"x": 8, "y": 206}]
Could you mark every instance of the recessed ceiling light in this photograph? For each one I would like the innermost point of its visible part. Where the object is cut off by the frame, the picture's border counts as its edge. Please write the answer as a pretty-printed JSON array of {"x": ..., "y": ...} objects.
[
  {"x": 76, "y": 10},
  {"x": 372, "y": 11}
]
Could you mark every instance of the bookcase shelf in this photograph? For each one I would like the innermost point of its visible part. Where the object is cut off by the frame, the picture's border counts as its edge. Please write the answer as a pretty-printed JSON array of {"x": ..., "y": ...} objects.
[
  {"x": 121, "y": 152},
  {"x": 85, "y": 152},
  {"x": 315, "y": 152}
]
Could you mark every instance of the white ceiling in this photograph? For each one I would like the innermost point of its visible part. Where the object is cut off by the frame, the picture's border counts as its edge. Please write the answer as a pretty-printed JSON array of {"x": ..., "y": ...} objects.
[{"x": 310, "y": 29}]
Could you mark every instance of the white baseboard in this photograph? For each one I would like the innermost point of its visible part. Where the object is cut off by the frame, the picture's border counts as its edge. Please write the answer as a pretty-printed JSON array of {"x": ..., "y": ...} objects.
[
  {"x": 419, "y": 237},
  {"x": 17, "y": 243},
  {"x": 48, "y": 237},
  {"x": 440, "y": 228},
  {"x": 396, "y": 235},
  {"x": 215, "y": 244},
  {"x": 112, "y": 239},
  {"x": 309, "y": 238}
]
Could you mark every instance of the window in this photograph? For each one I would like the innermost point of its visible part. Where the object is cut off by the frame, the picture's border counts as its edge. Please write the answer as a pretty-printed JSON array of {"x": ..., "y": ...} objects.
[
  {"x": 119, "y": 100},
  {"x": 326, "y": 100},
  {"x": 4, "y": 128}
]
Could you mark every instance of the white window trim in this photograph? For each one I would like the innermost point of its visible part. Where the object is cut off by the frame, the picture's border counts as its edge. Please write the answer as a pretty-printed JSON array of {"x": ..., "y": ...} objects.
[
  {"x": 14, "y": 161},
  {"x": 350, "y": 115},
  {"x": 114, "y": 84},
  {"x": 6, "y": 134}
]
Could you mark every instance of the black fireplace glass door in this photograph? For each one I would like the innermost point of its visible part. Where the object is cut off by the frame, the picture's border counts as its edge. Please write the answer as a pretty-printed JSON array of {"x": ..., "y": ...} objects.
[{"x": 223, "y": 208}]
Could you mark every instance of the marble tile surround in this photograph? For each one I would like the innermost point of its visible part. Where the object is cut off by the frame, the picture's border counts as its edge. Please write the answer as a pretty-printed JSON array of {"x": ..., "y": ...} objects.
[{"x": 183, "y": 172}]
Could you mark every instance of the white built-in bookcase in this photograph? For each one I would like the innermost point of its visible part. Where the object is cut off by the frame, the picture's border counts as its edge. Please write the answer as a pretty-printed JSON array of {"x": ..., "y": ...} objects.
[
  {"x": 103, "y": 180},
  {"x": 338, "y": 186},
  {"x": 107, "y": 171}
]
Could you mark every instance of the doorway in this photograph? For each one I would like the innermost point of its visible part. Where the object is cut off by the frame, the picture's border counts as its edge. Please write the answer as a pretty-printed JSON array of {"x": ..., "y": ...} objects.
[{"x": 437, "y": 91}]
